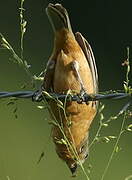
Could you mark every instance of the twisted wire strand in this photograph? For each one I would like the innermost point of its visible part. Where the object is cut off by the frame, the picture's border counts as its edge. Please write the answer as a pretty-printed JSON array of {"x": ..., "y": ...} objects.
[
  {"x": 38, "y": 96},
  {"x": 18, "y": 94}
]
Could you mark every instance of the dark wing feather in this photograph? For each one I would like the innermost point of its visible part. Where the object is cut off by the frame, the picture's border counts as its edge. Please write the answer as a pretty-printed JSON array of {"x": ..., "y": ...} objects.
[{"x": 87, "y": 50}]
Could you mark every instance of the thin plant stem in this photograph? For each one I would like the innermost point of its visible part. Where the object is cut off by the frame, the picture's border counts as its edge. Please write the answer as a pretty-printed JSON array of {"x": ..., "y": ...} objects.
[
  {"x": 22, "y": 26},
  {"x": 115, "y": 146},
  {"x": 128, "y": 67},
  {"x": 95, "y": 137}
]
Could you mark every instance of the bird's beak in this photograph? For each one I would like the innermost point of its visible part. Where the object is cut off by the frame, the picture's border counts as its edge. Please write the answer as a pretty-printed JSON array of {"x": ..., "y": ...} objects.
[{"x": 72, "y": 167}]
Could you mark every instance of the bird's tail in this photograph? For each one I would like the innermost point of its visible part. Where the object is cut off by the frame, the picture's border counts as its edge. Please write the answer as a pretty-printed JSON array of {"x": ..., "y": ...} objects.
[{"x": 58, "y": 17}]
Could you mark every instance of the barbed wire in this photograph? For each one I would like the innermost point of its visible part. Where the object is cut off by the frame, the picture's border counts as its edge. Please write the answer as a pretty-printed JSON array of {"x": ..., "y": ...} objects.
[
  {"x": 40, "y": 95},
  {"x": 18, "y": 94}
]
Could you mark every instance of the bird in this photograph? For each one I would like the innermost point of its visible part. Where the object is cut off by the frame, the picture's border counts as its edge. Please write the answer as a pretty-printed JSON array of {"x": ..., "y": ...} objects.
[{"x": 71, "y": 68}]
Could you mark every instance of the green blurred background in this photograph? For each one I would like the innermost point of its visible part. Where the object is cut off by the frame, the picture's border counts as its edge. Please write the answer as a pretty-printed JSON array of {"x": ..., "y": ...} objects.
[{"x": 107, "y": 26}]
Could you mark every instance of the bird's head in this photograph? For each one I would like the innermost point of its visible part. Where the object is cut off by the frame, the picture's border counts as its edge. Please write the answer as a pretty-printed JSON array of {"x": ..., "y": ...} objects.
[{"x": 73, "y": 155}]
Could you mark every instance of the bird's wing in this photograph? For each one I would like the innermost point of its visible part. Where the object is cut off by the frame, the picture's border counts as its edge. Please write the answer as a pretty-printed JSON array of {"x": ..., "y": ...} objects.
[
  {"x": 49, "y": 76},
  {"x": 87, "y": 50}
]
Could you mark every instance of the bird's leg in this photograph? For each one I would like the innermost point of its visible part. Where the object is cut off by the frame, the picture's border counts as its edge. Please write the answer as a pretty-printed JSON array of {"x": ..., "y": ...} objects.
[{"x": 75, "y": 68}]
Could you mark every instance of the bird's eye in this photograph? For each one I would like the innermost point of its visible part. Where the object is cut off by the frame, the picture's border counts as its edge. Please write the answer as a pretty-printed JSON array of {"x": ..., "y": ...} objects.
[
  {"x": 84, "y": 151},
  {"x": 86, "y": 156}
]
